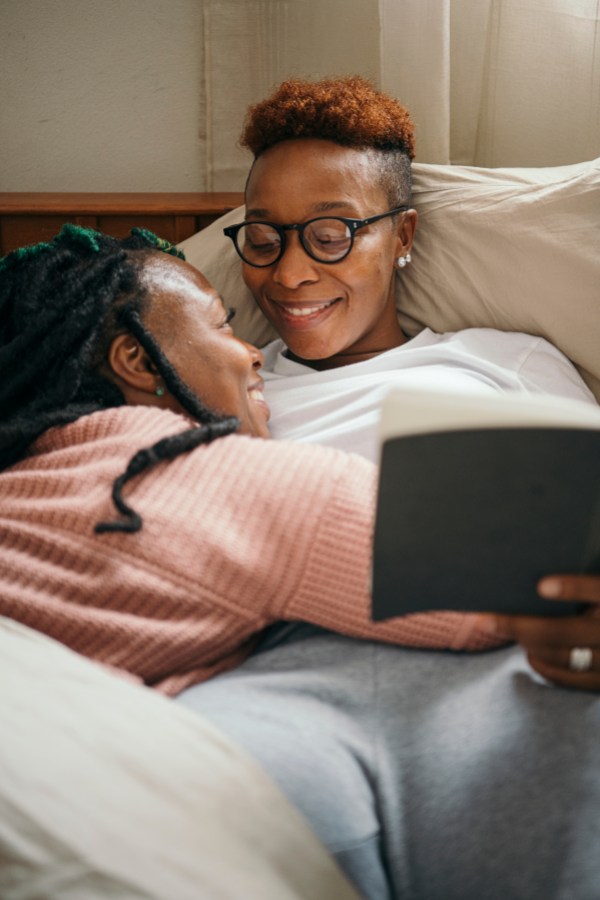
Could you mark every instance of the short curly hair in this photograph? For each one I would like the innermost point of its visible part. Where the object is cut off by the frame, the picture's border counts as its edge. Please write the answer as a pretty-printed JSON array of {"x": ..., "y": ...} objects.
[{"x": 349, "y": 111}]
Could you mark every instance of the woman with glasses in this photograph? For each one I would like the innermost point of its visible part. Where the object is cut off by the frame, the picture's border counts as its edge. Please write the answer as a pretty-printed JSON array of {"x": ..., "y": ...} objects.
[
  {"x": 328, "y": 231},
  {"x": 428, "y": 775}
]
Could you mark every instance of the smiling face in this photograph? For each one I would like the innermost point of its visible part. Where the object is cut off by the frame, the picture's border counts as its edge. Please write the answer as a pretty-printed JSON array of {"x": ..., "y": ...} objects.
[
  {"x": 328, "y": 314},
  {"x": 187, "y": 318}
]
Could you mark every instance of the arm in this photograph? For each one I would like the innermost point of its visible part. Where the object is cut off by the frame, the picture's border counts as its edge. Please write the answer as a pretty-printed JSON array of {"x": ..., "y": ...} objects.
[
  {"x": 315, "y": 509},
  {"x": 333, "y": 588},
  {"x": 274, "y": 531}
]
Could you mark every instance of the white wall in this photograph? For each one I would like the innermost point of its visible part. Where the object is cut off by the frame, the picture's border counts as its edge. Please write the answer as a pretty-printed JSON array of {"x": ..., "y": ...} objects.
[
  {"x": 110, "y": 95},
  {"x": 101, "y": 95},
  {"x": 142, "y": 95},
  {"x": 253, "y": 45}
]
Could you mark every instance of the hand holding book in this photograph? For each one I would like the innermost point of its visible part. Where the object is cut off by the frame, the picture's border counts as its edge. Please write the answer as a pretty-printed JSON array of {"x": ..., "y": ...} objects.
[
  {"x": 550, "y": 642},
  {"x": 480, "y": 499}
]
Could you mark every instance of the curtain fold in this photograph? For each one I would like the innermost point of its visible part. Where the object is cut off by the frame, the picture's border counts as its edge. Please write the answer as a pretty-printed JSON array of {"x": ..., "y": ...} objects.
[
  {"x": 488, "y": 82},
  {"x": 252, "y": 45},
  {"x": 414, "y": 66},
  {"x": 540, "y": 97}
]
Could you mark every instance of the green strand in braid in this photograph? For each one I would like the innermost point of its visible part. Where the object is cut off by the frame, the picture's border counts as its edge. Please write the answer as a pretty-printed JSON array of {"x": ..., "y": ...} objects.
[
  {"x": 21, "y": 254},
  {"x": 86, "y": 237},
  {"x": 77, "y": 233},
  {"x": 158, "y": 243},
  {"x": 81, "y": 235}
]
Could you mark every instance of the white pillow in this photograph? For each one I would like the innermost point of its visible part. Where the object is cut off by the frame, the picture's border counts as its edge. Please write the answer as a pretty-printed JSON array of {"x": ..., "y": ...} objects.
[
  {"x": 513, "y": 249},
  {"x": 109, "y": 790}
]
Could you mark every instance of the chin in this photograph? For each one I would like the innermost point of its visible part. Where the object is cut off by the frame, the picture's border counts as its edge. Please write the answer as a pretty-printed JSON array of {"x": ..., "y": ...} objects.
[
  {"x": 312, "y": 346},
  {"x": 260, "y": 431}
]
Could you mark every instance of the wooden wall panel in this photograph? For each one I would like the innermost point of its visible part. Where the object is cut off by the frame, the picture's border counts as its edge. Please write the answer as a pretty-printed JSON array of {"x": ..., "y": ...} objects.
[{"x": 27, "y": 218}]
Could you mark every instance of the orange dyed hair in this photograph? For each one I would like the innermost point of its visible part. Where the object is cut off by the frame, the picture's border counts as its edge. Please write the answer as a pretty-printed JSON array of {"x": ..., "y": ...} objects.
[{"x": 349, "y": 111}]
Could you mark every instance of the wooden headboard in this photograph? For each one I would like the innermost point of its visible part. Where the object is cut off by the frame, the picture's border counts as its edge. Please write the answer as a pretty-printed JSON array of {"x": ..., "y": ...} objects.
[{"x": 26, "y": 218}]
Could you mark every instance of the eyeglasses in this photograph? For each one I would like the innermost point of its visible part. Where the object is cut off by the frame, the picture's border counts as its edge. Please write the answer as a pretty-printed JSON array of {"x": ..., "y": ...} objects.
[{"x": 327, "y": 239}]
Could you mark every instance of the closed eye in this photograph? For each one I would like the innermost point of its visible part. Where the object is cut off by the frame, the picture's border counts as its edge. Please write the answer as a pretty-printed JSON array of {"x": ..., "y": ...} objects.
[{"x": 229, "y": 317}]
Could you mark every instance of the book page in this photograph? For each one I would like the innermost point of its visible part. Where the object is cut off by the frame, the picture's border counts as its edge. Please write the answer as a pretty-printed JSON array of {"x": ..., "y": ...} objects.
[{"x": 407, "y": 412}]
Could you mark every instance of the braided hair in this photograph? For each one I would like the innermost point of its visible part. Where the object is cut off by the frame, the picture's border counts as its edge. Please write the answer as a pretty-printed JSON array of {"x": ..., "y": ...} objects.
[{"x": 62, "y": 303}]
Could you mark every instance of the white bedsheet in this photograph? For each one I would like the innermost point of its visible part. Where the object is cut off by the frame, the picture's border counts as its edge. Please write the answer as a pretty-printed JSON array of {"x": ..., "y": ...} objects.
[{"x": 109, "y": 790}]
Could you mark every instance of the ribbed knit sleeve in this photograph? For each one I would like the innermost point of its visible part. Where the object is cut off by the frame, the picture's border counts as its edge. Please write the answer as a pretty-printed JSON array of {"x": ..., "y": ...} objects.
[
  {"x": 334, "y": 588},
  {"x": 236, "y": 534}
]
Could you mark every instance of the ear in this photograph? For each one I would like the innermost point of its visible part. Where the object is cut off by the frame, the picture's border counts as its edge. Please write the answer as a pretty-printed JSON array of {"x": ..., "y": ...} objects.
[
  {"x": 131, "y": 365},
  {"x": 407, "y": 225}
]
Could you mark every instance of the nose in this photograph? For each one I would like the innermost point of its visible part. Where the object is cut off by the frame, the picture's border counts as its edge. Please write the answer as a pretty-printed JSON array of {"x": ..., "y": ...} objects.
[
  {"x": 295, "y": 267},
  {"x": 256, "y": 355}
]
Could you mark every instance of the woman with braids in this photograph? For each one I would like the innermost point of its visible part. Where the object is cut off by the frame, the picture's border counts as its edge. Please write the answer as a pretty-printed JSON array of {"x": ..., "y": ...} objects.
[
  {"x": 429, "y": 775},
  {"x": 122, "y": 386}
]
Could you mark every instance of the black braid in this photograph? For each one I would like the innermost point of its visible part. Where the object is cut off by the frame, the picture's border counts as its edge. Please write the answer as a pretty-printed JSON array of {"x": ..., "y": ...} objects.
[
  {"x": 61, "y": 305},
  {"x": 167, "y": 448},
  {"x": 130, "y": 317}
]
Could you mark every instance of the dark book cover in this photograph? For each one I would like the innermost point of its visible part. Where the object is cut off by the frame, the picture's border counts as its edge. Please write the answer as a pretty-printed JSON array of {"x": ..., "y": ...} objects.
[{"x": 470, "y": 518}]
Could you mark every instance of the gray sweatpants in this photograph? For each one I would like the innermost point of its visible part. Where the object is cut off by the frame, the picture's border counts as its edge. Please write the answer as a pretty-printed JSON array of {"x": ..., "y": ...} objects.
[{"x": 429, "y": 775}]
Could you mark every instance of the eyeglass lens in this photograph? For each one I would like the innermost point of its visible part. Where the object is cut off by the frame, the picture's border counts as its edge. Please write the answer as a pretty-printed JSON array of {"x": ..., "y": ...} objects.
[{"x": 326, "y": 240}]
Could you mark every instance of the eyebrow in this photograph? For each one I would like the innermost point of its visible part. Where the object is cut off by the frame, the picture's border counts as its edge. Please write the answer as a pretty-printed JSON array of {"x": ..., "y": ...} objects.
[
  {"x": 215, "y": 299},
  {"x": 323, "y": 207}
]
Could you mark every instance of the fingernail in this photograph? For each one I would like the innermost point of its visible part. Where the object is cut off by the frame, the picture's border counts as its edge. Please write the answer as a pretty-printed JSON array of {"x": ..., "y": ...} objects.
[{"x": 549, "y": 587}]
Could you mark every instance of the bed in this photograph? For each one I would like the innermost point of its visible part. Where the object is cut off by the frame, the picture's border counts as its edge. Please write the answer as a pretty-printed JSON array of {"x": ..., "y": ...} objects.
[{"x": 110, "y": 791}]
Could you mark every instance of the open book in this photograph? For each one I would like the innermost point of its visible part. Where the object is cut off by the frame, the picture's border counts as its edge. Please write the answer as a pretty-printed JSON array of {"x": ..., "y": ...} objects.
[{"x": 481, "y": 496}]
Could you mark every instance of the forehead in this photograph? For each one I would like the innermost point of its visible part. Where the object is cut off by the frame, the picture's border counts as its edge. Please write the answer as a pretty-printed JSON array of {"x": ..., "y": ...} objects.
[
  {"x": 177, "y": 290},
  {"x": 169, "y": 278},
  {"x": 317, "y": 172}
]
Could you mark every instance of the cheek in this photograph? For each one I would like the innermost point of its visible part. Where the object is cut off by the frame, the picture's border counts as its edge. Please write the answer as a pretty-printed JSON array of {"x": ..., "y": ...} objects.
[
  {"x": 369, "y": 279},
  {"x": 202, "y": 367},
  {"x": 220, "y": 388},
  {"x": 254, "y": 278},
  {"x": 375, "y": 277},
  {"x": 232, "y": 367}
]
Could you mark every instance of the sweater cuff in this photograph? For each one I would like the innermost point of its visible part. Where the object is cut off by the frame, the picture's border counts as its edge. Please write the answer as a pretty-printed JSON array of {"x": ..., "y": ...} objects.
[{"x": 335, "y": 586}]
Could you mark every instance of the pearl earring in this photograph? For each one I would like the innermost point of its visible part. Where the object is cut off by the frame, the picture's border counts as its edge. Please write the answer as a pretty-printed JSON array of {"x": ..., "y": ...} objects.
[
  {"x": 403, "y": 260},
  {"x": 159, "y": 391}
]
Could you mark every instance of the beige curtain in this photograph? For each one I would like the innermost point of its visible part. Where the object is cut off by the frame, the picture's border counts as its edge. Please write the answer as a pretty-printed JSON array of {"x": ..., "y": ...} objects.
[
  {"x": 496, "y": 82},
  {"x": 251, "y": 45},
  {"x": 488, "y": 82}
]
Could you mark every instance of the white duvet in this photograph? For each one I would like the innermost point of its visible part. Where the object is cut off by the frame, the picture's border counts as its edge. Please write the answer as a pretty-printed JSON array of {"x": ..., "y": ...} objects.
[{"x": 109, "y": 790}]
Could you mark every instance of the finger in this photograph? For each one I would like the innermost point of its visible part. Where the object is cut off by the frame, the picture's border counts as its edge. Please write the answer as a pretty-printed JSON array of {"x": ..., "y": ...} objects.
[
  {"x": 567, "y": 658},
  {"x": 582, "y": 681},
  {"x": 570, "y": 587},
  {"x": 542, "y": 631}
]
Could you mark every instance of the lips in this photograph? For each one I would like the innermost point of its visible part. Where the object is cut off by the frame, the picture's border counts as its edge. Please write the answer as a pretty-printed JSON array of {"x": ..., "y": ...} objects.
[
  {"x": 304, "y": 315},
  {"x": 255, "y": 393}
]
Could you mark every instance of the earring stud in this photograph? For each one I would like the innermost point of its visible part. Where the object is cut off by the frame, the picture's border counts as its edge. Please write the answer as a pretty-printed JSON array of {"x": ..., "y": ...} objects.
[
  {"x": 159, "y": 391},
  {"x": 403, "y": 261}
]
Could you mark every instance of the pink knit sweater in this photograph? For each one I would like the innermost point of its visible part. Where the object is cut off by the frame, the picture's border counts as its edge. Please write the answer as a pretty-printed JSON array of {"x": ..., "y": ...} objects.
[{"x": 237, "y": 534}]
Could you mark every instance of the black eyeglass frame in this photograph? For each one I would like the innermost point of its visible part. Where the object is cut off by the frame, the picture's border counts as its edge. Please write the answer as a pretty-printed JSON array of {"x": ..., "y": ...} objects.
[{"x": 353, "y": 225}]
